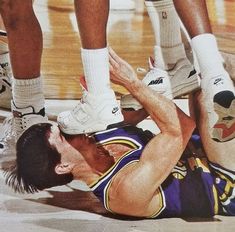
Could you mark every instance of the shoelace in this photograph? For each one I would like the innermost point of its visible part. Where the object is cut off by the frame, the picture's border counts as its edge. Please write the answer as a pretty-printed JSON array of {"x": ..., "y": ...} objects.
[{"x": 18, "y": 126}]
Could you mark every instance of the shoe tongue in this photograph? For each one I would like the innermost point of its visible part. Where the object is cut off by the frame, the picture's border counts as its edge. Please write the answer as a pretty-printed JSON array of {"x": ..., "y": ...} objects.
[
  {"x": 83, "y": 83},
  {"x": 151, "y": 62}
]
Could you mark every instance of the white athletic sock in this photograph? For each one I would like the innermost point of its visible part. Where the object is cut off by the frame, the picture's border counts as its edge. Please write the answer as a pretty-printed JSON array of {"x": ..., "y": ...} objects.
[
  {"x": 167, "y": 33},
  {"x": 96, "y": 70},
  {"x": 208, "y": 55},
  {"x": 28, "y": 92}
]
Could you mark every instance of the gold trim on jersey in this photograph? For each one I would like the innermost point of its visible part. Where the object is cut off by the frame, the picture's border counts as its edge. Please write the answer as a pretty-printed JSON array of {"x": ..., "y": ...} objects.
[
  {"x": 125, "y": 140},
  {"x": 121, "y": 141},
  {"x": 216, "y": 205},
  {"x": 195, "y": 163},
  {"x": 106, "y": 197},
  {"x": 227, "y": 195},
  {"x": 162, "y": 203},
  {"x": 229, "y": 187}
]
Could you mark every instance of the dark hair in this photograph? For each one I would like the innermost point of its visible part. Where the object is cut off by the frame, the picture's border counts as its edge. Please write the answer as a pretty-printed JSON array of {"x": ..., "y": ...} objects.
[{"x": 35, "y": 162}]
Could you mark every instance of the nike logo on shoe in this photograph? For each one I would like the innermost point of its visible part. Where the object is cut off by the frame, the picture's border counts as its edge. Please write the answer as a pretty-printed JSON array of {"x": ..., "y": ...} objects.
[
  {"x": 115, "y": 110},
  {"x": 193, "y": 72},
  {"x": 156, "y": 82},
  {"x": 217, "y": 81}
]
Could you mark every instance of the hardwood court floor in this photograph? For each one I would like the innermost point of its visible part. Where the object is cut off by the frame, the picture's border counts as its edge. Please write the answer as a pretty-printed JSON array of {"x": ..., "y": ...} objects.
[
  {"x": 129, "y": 33},
  {"x": 65, "y": 208}
]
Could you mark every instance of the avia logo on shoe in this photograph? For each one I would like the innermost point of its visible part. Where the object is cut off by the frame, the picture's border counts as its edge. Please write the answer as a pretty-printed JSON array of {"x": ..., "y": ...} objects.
[
  {"x": 3, "y": 89},
  {"x": 218, "y": 80},
  {"x": 156, "y": 82},
  {"x": 115, "y": 110}
]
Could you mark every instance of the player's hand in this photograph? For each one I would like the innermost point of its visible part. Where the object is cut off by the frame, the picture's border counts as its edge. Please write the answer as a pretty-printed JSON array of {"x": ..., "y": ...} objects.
[{"x": 120, "y": 71}]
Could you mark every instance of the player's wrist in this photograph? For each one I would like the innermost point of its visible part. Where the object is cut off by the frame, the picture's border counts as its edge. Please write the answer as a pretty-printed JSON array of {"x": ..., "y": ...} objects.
[{"x": 134, "y": 86}]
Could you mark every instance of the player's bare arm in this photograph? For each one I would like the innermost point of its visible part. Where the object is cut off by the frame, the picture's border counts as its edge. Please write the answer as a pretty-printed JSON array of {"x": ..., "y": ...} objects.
[{"x": 161, "y": 153}]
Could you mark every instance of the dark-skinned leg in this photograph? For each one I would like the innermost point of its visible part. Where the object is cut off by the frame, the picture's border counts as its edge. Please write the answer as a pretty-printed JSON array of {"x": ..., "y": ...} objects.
[
  {"x": 98, "y": 108},
  {"x": 171, "y": 74},
  {"x": 25, "y": 47},
  {"x": 217, "y": 87}
]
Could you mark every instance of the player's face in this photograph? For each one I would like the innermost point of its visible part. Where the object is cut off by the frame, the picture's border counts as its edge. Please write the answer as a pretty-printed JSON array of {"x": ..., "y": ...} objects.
[
  {"x": 57, "y": 140},
  {"x": 83, "y": 142}
]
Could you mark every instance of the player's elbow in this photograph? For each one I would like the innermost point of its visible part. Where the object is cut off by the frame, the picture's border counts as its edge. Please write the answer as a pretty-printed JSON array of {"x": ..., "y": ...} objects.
[{"x": 184, "y": 130}]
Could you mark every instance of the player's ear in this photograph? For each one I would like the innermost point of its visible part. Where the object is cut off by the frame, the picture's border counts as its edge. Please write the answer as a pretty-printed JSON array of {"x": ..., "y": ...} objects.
[{"x": 63, "y": 168}]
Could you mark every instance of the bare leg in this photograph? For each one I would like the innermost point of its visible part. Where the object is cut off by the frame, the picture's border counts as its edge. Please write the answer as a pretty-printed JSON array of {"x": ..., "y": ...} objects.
[
  {"x": 92, "y": 17},
  {"x": 99, "y": 107},
  {"x": 25, "y": 47},
  {"x": 217, "y": 87},
  {"x": 195, "y": 20},
  {"x": 178, "y": 76},
  {"x": 24, "y": 36}
]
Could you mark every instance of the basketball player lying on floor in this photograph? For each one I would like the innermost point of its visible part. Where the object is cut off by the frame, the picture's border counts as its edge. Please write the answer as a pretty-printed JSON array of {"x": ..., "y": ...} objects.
[{"x": 132, "y": 171}]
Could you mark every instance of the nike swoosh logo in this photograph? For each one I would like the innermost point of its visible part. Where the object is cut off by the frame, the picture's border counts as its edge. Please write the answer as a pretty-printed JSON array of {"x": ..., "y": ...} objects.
[
  {"x": 3, "y": 89},
  {"x": 193, "y": 72},
  {"x": 217, "y": 81},
  {"x": 115, "y": 110}
]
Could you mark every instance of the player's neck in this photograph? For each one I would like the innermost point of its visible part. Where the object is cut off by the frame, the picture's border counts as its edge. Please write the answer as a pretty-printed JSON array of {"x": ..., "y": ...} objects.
[{"x": 96, "y": 159}]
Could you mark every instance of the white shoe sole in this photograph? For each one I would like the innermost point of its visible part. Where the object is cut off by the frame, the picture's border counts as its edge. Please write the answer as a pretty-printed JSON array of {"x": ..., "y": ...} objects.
[{"x": 98, "y": 126}]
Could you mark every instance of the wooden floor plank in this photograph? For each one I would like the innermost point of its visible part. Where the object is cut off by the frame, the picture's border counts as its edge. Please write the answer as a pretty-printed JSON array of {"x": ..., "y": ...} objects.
[{"x": 129, "y": 33}]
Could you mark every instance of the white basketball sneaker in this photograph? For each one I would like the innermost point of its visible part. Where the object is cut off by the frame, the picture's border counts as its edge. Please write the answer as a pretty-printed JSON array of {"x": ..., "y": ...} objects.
[
  {"x": 179, "y": 81},
  {"x": 5, "y": 81},
  {"x": 26, "y": 117},
  {"x": 219, "y": 98},
  {"x": 122, "y": 5},
  {"x": 92, "y": 114}
]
